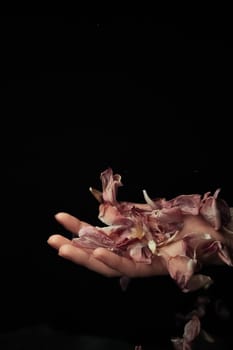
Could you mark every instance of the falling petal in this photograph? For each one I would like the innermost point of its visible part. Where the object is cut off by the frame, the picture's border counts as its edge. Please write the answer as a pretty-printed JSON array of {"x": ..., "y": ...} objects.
[
  {"x": 97, "y": 194},
  {"x": 124, "y": 283}
]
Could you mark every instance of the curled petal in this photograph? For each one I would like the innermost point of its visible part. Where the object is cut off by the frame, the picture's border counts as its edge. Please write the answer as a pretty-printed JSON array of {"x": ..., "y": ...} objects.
[
  {"x": 139, "y": 252},
  {"x": 188, "y": 204},
  {"x": 93, "y": 238},
  {"x": 110, "y": 184},
  {"x": 210, "y": 212},
  {"x": 198, "y": 281},
  {"x": 192, "y": 329},
  {"x": 97, "y": 194},
  {"x": 180, "y": 344},
  {"x": 148, "y": 200},
  {"x": 169, "y": 215},
  {"x": 110, "y": 215},
  {"x": 181, "y": 269}
]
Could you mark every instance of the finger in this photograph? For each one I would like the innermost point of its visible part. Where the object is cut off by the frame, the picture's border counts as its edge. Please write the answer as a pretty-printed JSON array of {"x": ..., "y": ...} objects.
[
  {"x": 128, "y": 267},
  {"x": 56, "y": 241},
  {"x": 81, "y": 257},
  {"x": 70, "y": 222},
  {"x": 124, "y": 265}
]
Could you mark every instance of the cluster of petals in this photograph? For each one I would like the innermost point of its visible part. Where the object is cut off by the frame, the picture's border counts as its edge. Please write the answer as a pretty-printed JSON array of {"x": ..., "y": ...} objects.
[{"x": 141, "y": 231}]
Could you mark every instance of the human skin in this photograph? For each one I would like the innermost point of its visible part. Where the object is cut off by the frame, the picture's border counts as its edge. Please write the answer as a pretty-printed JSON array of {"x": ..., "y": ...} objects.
[{"x": 109, "y": 264}]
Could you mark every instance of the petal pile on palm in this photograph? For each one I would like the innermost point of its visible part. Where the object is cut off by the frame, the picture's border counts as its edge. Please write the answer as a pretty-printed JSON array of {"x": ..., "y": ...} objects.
[{"x": 159, "y": 236}]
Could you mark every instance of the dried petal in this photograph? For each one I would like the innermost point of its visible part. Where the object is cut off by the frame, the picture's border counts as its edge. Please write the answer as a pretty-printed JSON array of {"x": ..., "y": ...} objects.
[{"x": 141, "y": 231}]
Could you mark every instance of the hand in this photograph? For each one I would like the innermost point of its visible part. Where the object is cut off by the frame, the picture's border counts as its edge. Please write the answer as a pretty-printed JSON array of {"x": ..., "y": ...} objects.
[
  {"x": 109, "y": 264},
  {"x": 100, "y": 260}
]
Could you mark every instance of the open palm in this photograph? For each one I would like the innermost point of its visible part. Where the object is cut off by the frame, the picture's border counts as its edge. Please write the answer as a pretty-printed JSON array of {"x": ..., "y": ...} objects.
[{"x": 109, "y": 264}]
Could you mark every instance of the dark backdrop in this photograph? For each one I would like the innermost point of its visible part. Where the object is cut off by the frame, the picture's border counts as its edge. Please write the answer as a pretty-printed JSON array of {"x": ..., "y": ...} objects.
[{"x": 150, "y": 100}]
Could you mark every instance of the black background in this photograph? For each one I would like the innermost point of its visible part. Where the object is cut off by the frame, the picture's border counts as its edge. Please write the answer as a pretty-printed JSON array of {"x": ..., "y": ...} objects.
[{"x": 150, "y": 99}]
